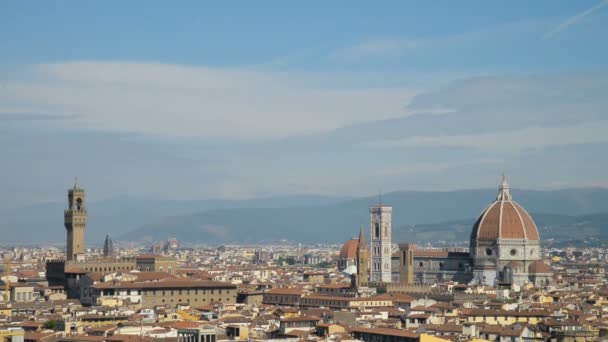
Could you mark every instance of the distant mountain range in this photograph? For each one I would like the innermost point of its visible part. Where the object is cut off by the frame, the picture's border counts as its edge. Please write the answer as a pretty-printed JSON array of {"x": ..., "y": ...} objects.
[{"x": 417, "y": 216}]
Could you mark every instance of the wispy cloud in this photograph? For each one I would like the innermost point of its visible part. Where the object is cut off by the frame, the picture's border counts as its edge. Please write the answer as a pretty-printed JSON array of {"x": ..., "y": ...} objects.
[
  {"x": 379, "y": 47},
  {"x": 574, "y": 19},
  {"x": 437, "y": 167},
  {"x": 17, "y": 114},
  {"x": 175, "y": 100},
  {"x": 515, "y": 141}
]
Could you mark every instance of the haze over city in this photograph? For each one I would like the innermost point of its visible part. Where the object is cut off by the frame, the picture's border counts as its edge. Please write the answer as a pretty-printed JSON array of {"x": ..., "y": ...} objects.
[
  {"x": 344, "y": 171},
  {"x": 209, "y": 101}
]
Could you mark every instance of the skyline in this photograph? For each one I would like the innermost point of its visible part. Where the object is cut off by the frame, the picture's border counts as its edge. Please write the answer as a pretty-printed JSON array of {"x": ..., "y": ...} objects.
[{"x": 202, "y": 101}]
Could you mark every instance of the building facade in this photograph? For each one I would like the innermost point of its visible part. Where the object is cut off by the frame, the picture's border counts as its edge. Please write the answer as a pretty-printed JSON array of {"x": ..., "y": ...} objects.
[{"x": 150, "y": 294}]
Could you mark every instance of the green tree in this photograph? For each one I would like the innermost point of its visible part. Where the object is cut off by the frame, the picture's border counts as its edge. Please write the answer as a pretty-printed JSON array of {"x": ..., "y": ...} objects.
[{"x": 50, "y": 324}]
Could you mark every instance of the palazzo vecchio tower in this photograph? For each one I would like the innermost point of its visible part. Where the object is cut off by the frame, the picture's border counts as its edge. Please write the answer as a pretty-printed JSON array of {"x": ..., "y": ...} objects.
[{"x": 75, "y": 220}]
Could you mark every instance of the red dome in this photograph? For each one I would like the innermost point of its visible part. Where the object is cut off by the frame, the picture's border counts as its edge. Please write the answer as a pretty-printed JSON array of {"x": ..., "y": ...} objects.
[
  {"x": 504, "y": 219},
  {"x": 539, "y": 266},
  {"x": 349, "y": 249}
]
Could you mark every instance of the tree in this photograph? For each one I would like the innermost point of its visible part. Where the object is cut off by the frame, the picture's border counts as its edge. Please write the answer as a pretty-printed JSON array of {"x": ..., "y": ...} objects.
[{"x": 50, "y": 324}]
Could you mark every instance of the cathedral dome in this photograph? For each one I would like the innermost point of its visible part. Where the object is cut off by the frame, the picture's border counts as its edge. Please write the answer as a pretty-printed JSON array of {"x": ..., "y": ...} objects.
[
  {"x": 349, "y": 249},
  {"x": 539, "y": 266},
  {"x": 504, "y": 219}
]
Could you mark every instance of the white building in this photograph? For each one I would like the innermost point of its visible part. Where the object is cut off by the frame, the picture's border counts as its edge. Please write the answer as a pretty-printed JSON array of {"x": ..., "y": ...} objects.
[{"x": 381, "y": 249}]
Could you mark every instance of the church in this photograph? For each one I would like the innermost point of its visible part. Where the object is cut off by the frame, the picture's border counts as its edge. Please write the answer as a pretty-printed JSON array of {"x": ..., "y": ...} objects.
[{"x": 504, "y": 249}]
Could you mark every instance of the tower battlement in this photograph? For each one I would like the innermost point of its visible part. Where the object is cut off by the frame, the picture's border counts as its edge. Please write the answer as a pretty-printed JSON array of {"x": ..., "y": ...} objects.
[{"x": 75, "y": 221}]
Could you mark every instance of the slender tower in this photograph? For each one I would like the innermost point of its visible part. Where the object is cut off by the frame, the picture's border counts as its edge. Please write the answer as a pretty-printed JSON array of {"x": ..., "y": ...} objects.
[
  {"x": 381, "y": 226},
  {"x": 362, "y": 260},
  {"x": 75, "y": 220},
  {"x": 108, "y": 247}
]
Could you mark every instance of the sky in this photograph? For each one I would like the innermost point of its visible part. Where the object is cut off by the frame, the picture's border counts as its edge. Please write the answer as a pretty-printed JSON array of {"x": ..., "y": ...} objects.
[{"x": 200, "y": 100}]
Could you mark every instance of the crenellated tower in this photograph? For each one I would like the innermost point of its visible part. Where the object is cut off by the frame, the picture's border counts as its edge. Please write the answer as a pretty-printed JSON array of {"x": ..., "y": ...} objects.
[{"x": 75, "y": 220}]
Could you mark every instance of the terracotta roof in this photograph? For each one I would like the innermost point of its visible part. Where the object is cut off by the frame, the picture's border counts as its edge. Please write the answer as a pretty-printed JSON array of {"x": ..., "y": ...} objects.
[
  {"x": 349, "y": 249},
  {"x": 485, "y": 312},
  {"x": 335, "y": 286},
  {"x": 430, "y": 254},
  {"x": 443, "y": 327},
  {"x": 146, "y": 276},
  {"x": 298, "y": 333},
  {"x": 164, "y": 284},
  {"x": 386, "y": 332},
  {"x": 301, "y": 319},
  {"x": 83, "y": 338},
  {"x": 286, "y": 291},
  {"x": 504, "y": 219},
  {"x": 539, "y": 266},
  {"x": 38, "y": 336}
]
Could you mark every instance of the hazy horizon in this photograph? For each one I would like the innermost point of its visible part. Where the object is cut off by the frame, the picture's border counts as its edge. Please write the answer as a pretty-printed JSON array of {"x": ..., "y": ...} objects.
[{"x": 213, "y": 101}]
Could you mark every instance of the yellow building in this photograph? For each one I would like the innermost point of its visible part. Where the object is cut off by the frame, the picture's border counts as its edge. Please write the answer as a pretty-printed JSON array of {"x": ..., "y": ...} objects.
[
  {"x": 504, "y": 317},
  {"x": 171, "y": 292}
]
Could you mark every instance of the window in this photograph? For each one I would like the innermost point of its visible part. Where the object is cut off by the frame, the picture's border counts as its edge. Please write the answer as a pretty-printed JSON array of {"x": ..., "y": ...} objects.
[
  {"x": 513, "y": 252},
  {"x": 488, "y": 251}
]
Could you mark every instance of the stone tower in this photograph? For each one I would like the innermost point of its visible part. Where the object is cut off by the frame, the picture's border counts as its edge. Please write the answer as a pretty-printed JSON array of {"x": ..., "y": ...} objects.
[
  {"x": 406, "y": 263},
  {"x": 381, "y": 226},
  {"x": 75, "y": 220},
  {"x": 362, "y": 260}
]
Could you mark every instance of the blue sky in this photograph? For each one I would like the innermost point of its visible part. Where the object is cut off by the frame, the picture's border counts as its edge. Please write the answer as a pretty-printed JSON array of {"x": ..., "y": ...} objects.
[{"x": 243, "y": 99}]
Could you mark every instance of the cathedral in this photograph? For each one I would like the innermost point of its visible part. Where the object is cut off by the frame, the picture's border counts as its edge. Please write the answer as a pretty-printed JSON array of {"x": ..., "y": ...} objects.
[{"x": 504, "y": 249}]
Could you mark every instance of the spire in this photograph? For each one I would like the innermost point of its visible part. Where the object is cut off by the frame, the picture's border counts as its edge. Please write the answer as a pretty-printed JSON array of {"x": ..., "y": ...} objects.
[
  {"x": 503, "y": 191},
  {"x": 108, "y": 247},
  {"x": 76, "y": 185},
  {"x": 362, "y": 242}
]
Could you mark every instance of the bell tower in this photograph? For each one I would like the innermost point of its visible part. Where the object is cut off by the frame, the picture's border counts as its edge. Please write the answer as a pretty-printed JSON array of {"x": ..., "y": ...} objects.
[
  {"x": 362, "y": 260},
  {"x": 75, "y": 220},
  {"x": 381, "y": 227}
]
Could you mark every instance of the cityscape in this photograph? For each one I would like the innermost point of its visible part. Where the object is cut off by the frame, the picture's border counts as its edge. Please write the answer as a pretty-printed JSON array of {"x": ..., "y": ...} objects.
[{"x": 271, "y": 171}]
